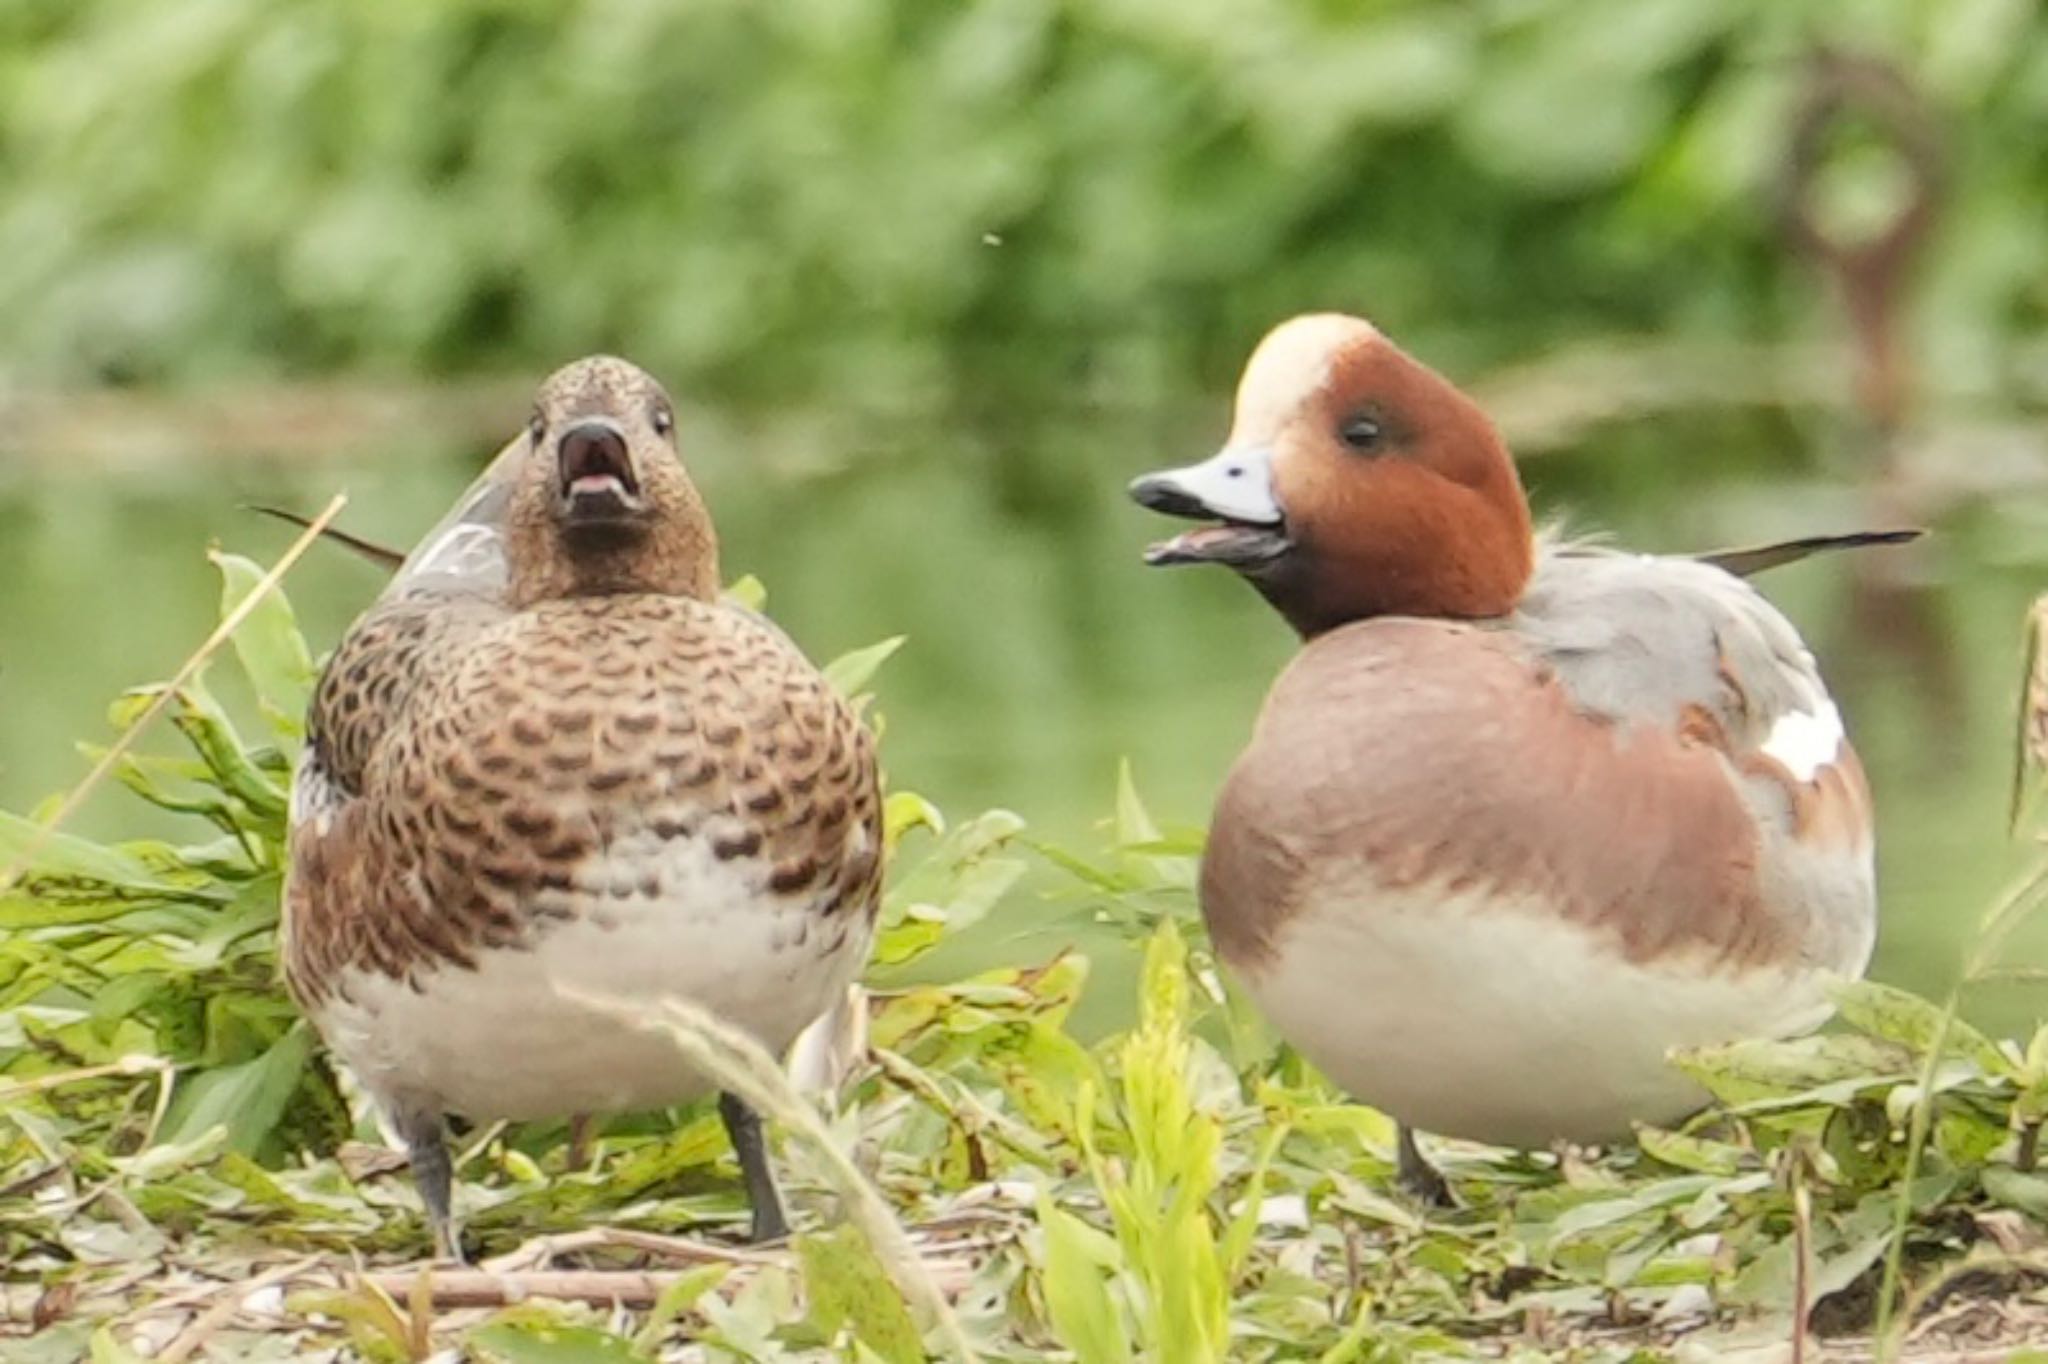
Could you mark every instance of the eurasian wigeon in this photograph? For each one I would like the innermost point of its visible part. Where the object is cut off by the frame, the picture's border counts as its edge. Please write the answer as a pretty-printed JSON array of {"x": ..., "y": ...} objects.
[
  {"x": 1520, "y": 817},
  {"x": 549, "y": 758}
]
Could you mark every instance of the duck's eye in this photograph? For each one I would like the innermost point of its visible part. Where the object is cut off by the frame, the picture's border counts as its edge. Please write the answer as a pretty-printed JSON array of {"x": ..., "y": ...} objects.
[
  {"x": 1360, "y": 431},
  {"x": 536, "y": 426},
  {"x": 664, "y": 421}
]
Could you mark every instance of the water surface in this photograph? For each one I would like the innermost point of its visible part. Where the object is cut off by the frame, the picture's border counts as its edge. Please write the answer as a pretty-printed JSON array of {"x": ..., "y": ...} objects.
[{"x": 1040, "y": 650}]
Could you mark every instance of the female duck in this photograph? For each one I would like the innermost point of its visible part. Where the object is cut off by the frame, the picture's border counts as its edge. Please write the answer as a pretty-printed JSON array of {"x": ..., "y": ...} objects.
[
  {"x": 1519, "y": 818},
  {"x": 549, "y": 762}
]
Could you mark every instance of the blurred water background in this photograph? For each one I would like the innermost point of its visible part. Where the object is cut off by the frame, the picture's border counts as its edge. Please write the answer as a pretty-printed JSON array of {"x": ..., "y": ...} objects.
[{"x": 931, "y": 281}]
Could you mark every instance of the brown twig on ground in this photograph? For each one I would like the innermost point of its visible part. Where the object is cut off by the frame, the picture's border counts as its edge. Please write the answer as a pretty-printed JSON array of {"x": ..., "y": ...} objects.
[
  {"x": 456, "y": 1288},
  {"x": 227, "y": 1301},
  {"x": 449, "y": 1288},
  {"x": 541, "y": 1250}
]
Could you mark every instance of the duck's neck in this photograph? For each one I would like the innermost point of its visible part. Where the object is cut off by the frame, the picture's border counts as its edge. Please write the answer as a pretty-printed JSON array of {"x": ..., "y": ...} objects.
[
  {"x": 1472, "y": 567},
  {"x": 663, "y": 560}
]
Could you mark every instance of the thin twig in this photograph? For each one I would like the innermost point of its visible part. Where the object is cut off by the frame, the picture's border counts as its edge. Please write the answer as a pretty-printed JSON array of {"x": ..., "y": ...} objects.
[
  {"x": 1802, "y": 1256},
  {"x": 126, "y": 739},
  {"x": 419, "y": 1313},
  {"x": 453, "y": 1288},
  {"x": 457, "y": 1288},
  {"x": 229, "y": 1299},
  {"x": 541, "y": 1249},
  {"x": 12, "y": 1090},
  {"x": 125, "y": 1212}
]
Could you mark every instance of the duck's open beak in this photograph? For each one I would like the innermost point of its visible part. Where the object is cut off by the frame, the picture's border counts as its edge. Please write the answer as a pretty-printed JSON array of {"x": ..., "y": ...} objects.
[
  {"x": 599, "y": 483},
  {"x": 1234, "y": 490}
]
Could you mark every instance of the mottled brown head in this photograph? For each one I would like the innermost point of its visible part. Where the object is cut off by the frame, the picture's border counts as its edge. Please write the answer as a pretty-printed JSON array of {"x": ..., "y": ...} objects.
[
  {"x": 1356, "y": 482},
  {"x": 603, "y": 504}
]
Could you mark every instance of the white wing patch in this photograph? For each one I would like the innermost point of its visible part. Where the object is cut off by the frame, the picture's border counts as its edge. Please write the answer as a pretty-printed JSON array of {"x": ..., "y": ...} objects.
[
  {"x": 464, "y": 548},
  {"x": 1805, "y": 741}
]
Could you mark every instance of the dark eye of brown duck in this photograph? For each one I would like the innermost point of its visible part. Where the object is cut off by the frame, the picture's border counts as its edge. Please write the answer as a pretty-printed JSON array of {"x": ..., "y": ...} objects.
[
  {"x": 664, "y": 421},
  {"x": 1361, "y": 431},
  {"x": 537, "y": 427}
]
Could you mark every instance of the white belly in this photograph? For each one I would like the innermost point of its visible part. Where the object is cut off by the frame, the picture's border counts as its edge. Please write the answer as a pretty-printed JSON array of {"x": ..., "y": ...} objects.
[
  {"x": 501, "y": 1041},
  {"x": 1497, "y": 1024}
]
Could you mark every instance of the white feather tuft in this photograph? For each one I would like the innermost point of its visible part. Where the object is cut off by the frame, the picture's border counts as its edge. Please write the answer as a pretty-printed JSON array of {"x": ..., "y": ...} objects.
[{"x": 1806, "y": 741}]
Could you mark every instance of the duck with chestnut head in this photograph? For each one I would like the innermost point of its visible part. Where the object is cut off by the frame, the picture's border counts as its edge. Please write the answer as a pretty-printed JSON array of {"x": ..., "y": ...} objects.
[{"x": 1520, "y": 817}]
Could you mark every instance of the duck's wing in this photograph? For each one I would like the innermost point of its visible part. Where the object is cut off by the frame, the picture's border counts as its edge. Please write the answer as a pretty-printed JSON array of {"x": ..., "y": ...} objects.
[
  {"x": 464, "y": 554},
  {"x": 464, "y": 551},
  {"x": 1417, "y": 767},
  {"x": 1646, "y": 748},
  {"x": 1753, "y": 559},
  {"x": 1664, "y": 642}
]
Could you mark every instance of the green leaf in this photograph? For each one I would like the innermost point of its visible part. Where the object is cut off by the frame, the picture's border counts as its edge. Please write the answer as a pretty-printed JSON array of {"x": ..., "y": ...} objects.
[
  {"x": 1897, "y": 1016},
  {"x": 848, "y": 1287},
  {"x": 201, "y": 720},
  {"x": 903, "y": 811},
  {"x": 677, "y": 1298},
  {"x": 1824, "y": 1070},
  {"x": 246, "y": 1099},
  {"x": 532, "y": 1342},
  {"x": 272, "y": 651},
  {"x": 852, "y": 671},
  {"x": 1134, "y": 826},
  {"x": 107, "y": 1350},
  {"x": 57, "y": 854},
  {"x": 952, "y": 887},
  {"x": 25, "y": 911},
  {"x": 1698, "y": 1154},
  {"x": 1076, "y": 1292},
  {"x": 747, "y": 592},
  {"x": 2022, "y": 1190}
]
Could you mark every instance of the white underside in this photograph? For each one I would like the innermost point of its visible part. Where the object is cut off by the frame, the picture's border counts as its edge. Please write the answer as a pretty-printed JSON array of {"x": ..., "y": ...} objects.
[
  {"x": 501, "y": 1041},
  {"x": 1502, "y": 1024}
]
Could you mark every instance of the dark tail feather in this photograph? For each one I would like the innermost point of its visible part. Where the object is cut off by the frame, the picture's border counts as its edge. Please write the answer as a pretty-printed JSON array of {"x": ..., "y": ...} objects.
[
  {"x": 1756, "y": 559},
  {"x": 375, "y": 553}
]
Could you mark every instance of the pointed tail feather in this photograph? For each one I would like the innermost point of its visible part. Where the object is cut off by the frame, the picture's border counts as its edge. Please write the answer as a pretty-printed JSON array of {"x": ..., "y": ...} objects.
[
  {"x": 369, "y": 549},
  {"x": 1756, "y": 559}
]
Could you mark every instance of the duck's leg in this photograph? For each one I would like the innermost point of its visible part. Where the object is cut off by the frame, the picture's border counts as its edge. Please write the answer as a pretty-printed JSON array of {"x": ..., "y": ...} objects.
[
  {"x": 426, "y": 1144},
  {"x": 743, "y": 1125},
  {"x": 582, "y": 1135},
  {"x": 1416, "y": 1174}
]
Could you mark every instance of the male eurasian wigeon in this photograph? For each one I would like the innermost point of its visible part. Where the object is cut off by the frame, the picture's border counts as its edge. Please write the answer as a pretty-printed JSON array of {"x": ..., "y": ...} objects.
[
  {"x": 1520, "y": 817},
  {"x": 549, "y": 758}
]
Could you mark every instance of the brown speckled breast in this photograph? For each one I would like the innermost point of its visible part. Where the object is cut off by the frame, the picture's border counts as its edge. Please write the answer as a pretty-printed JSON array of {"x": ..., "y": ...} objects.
[{"x": 517, "y": 770}]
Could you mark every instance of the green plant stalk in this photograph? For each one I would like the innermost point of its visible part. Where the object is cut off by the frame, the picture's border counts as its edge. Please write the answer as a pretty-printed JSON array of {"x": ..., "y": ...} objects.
[
  {"x": 1160, "y": 1204},
  {"x": 2010, "y": 910},
  {"x": 1352, "y": 1344},
  {"x": 740, "y": 1064},
  {"x": 1902, "y": 1206}
]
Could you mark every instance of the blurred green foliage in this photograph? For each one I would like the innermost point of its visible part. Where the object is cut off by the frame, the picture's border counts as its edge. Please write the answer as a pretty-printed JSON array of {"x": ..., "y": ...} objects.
[{"x": 856, "y": 196}]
